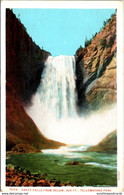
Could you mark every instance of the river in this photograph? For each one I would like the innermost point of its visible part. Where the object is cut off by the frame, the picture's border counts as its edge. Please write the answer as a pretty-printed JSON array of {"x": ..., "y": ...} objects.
[{"x": 94, "y": 169}]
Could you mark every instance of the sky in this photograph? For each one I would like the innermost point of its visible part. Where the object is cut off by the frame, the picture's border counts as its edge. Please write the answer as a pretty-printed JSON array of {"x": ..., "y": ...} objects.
[{"x": 62, "y": 31}]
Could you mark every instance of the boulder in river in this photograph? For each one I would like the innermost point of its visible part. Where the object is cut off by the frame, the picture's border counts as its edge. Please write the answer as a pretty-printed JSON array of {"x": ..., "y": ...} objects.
[{"x": 73, "y": 163}]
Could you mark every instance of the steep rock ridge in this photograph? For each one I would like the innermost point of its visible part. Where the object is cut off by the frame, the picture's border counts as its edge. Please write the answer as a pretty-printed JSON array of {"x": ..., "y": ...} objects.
[
  {"x": 24, "y": 64},
  {"x": 25, "y": 60},
  {"x": 96, "y": 69},
  {"x": 108, "y": 144}
]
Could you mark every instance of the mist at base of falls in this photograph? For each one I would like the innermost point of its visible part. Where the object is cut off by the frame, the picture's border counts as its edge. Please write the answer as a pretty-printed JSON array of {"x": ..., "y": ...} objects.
[
  {"x": 54, "y": 107},
  {"x": 81, "y": 130}
]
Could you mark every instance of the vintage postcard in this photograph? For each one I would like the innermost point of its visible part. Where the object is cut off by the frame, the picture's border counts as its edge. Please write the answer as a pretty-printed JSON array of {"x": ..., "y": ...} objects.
[{"x": 62, "y": 97}]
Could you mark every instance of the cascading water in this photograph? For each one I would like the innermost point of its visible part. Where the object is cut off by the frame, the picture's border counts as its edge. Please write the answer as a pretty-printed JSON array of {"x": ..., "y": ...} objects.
[
  {"x": 53, "y": 107},
  {"x": 57, "y": 89}
]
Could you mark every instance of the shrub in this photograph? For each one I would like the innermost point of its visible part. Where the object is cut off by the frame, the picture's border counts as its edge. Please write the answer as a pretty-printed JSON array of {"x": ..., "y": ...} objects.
[{"x": 87, "y": 42}]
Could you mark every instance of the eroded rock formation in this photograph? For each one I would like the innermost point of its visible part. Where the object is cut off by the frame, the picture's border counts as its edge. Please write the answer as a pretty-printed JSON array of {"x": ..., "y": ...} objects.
[{"x": 96, "y": 69}]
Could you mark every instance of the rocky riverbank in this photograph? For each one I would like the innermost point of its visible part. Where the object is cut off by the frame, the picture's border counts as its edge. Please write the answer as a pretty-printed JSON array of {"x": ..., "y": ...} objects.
[
  {"x": 16, "y": 176},
  {"x": 22, "y": 149}
]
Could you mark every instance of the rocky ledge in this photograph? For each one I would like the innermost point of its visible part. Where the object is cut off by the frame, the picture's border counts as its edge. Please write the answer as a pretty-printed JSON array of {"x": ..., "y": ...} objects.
[
  {"x": 22, "y": 149},
  {"x": 16, "y": 176}
]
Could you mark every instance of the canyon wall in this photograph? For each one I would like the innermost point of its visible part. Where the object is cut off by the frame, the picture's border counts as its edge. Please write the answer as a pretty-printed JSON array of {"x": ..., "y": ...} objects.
[
  {"x": 24, "y": 59},
  {"x": 96, "y": 70},
  {"x": 24, "y": 66}
]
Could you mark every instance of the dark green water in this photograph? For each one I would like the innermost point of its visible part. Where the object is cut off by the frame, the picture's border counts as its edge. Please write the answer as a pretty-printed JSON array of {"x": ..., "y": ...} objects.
[{"x": 97, "y": 169}]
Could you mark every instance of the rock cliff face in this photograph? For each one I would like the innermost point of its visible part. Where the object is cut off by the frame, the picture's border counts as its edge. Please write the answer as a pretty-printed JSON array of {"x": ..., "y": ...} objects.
[
  {"x": 96, "y": 70},
  {"x": 108, "y": 144},
  {"x": 24, "y": 65},
  {"x": 24, "y": 61}
]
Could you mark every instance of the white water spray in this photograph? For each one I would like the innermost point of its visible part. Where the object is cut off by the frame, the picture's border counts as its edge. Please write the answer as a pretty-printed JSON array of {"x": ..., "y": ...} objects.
[{"x": 54, "y": 107}]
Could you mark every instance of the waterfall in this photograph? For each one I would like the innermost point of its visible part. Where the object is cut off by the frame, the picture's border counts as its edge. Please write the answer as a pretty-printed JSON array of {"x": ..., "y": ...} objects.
[
  {"x": 53, "y": 107},
  {"x": 57, "y": 88}
]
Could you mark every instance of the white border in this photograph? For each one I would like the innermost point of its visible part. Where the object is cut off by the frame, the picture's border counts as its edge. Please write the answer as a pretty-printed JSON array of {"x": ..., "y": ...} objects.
[
  {"x": 120, "y": 97},
  {"x": 63, "y": 4},
  {"x": 3, "y": 97},
  {"x": 76, "y": 5}
]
